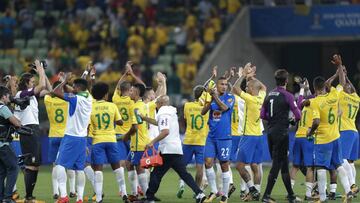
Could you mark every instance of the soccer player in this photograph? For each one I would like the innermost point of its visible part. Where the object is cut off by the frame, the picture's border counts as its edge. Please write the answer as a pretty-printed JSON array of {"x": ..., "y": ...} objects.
[
  {"x": 72, "y": 151},
  {"x": 275, "y": 110},
  {"x": 250, "y": 147},
  {"x": 57, "y": 114},
  {"x": 103, "y": 116},
  {"x": 218, "y": 142},
  {"x": 325, "y": 128},
  {"x": 349, "y": 105},
  {"x": 138, "y": 136},
  {"x": 303, "y": 148},
  {"x": 195, "y": 136}
]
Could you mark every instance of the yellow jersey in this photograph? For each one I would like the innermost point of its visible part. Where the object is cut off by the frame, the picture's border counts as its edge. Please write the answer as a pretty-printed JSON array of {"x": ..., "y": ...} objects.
[
  {"x": 252, "y": 121},
  {"x": 103, "y": 117},
  {"x": 140, "y": 138},
  {"x": 305, "y": 122},
  {"x": 325, "y": 107},
  {"x": 123, "y": 104},
  {"x": 57, "y": 111},
  {"x": 151, "y": 107},
  {"x": 196, "y": 124},
  {"x": 349, "y": 105},
  {"x": 235, "y": 118}
]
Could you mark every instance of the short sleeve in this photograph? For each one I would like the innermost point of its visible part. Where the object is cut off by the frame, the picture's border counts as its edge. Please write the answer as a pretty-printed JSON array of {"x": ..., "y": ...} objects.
[
  {"x": 334, "y": 92},
  {"x": 164, "y": 122},
  {"x": 185, "y": 111},
  {"x": 72, "y": 99},
  {"x": 315, "y": 108},
  {"x": 132, "y": 115},
  {"x": 116, "y": 96},
  {"x": 230, "y": 101},
  {"x": 5, "y": 112},
  {"x": 47, "y": 99},
  {"x": 245, "y": 96},
  {"x": 117, "y": 116},
  {"x": 262, "y": 95},
  {"x": 27, "y": 93}
]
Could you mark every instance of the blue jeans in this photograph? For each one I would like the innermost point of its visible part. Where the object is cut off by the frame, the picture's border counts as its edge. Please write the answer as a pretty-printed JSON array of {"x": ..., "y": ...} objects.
[{"x": 8, "y": 170}]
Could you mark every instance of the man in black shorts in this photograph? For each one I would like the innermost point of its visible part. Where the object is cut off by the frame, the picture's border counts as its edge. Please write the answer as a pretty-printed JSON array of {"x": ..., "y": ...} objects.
[{"x": 275, "y": 110}]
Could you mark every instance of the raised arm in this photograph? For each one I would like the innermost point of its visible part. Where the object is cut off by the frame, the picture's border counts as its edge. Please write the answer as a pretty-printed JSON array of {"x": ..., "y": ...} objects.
[
  {"x": 58, "y": 91},
  {"x": 48, "y": 87},
  {"x": 42, "y": 83},
  {"x": 351, "y": 85},
  {"x": 213, "y": 75},
  {"x": 131, "y": 73},
  {"x": 236, "y": 87},
  {"x": 161, "y": 89}
]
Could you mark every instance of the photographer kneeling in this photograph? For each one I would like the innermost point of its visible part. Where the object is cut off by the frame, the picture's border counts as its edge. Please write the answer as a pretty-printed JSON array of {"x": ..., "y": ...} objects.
[{"x": 8, "y": 160}]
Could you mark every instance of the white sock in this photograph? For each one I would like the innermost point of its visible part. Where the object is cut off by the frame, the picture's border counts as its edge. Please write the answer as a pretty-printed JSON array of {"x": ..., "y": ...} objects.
[
  {"x": 257, "y": 187},
  {"x": 261, "y": 173},
  {"x": 231, "y": 176},
  {"x": 292, "y": 183},
  {"x": 55, "y": 184},
  {"x": 210, "y": 174},
  {"x": 226, "y": 182},
  {"x": 120, "y": 178},
  {"x": 250, "y": 184},
  {"x": 99, "y": 178},
  {"x": 89, "y": 172},
  {"x": 219, "y": 180},
  {"x": 143, "y": 181},
  {"x": 309, "y": 187},
  {"x": 343, "y": 178},
  {"x": 147, "y": 171},
  {"x": 61, "y": 175},
  {"x": 349, "y": 172},
  {"x": 14, "y": 189},
  {"x": 243, "y": 185},
  {"x": 353, "y": 171},
  {"x": 181, "y": 183},
  {"x": 333, "y": 187},
  {"x": 322, "y": 183},
  {"x": 71, "y": 176},
  {"x": 133, "y": 181},
  {"x": 80, "y": 186}
]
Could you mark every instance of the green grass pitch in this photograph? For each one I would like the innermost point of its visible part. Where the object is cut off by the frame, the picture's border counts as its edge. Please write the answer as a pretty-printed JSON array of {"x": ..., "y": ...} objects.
[{"x": 168, "y": 187}]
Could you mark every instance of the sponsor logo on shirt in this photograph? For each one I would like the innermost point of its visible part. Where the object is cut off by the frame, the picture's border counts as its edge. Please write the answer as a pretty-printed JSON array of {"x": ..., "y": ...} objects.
[{"x": 216, "y": 115}]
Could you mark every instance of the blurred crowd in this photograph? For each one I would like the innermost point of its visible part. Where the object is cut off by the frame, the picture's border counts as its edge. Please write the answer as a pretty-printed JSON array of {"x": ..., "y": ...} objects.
[{"x": 172, "y": 36}]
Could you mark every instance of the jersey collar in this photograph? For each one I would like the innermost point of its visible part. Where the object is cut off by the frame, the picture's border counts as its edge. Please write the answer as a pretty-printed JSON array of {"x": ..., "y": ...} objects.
[{"x": 83, "y": 94}]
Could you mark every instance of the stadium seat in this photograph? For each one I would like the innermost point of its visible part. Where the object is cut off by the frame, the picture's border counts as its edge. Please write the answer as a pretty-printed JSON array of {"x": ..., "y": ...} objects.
[
  {"x": 28, "y": 53},
  {"x": 165, "y": 59},
  {"x": 5, "y": 64},
  {"x": 40, "y": 33},
  {"x": 19, "y": 43},
  {"x": 42, "y": 53},
  {"x": 158, "y": 68},
  {"x": 170, "y": 49},
  {"x": 180, "y": 58},
  {"x": 33, "y": 43},
  {"x": 39, "y": 14},
  {"x": 55, "y": 14}
]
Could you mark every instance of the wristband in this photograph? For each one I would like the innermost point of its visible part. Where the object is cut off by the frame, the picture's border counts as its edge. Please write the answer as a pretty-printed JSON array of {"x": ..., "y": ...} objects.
[{"x": 85, "y": 73}]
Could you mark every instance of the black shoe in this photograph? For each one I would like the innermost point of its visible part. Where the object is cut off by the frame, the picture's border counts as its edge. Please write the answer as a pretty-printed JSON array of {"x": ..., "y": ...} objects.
[
  {"x": 332, "y": 196},
  {"x": 72, "y": 195},
  {"x": 231, "y": 190},
  {"x": 294, "y": 199},
  {"x": 200, "y": 198},
  {"x": 55, "y": 196},
  {"x": 242, "y": 194},
  {"x": 157, "y": 199},
  {"x": 268, "y": 200},
  {"x": 254, "y": 193},
  {"x": 125, "y": 199}
]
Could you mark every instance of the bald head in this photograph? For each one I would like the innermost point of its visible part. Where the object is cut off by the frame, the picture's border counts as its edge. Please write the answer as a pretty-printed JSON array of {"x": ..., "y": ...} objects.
[
  {"x": 253, "y": 87},
  {"x": 163, "y": 101}
]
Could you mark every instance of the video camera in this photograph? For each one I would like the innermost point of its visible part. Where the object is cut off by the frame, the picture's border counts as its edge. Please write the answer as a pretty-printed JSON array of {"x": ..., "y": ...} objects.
[
  {"x": 21, "y": 102},
  {"x": 299, "y": 80},
  {"x": 6, "y": 132},
  {"x": 33, "y": 67}
]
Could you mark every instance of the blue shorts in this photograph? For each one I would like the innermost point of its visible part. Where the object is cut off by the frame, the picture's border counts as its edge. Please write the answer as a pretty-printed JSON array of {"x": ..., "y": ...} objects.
[
  {"x": 328, "y": 155},
  {"x": 54, "y": 144},
  {"x": 219, "y": 149},
  {"x": 72, "y": 153},
  {"x": 134, "y": 157},
  {"x": 350, "y": 144},
  {"x": 193, "y": 150},
  {"x": 250, "y": 149},
  {"x": 234, "y": 147},
  {"x": 16, "y": 147},
  {"x": 303, "y": 152},
  {"x": 124, "y": 148},
  {"x": 106, "y": 152},
  {"x": 266, "y": 157}
]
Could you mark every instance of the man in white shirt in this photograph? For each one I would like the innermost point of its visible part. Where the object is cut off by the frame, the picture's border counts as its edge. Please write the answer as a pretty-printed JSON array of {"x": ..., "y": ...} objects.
[
  {"x": 170, "y": 149},
  {"x": 72, "y": 151}
]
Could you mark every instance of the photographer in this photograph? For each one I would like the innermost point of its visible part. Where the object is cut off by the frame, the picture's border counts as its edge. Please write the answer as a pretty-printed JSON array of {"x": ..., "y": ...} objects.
[
  {"x": 8, "y": 161},
  {"x": 29, "y": 117}
]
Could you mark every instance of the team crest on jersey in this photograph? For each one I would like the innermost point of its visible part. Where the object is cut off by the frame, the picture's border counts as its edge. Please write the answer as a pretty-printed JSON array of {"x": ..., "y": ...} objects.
[
  {"x": 216, "y": 115},
  {"x": 230, "y": 100}
]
